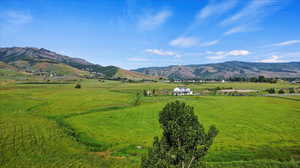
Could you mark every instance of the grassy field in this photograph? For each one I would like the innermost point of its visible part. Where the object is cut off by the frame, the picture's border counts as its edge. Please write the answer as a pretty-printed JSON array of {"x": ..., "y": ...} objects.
[{"x": 55, "y": 125}]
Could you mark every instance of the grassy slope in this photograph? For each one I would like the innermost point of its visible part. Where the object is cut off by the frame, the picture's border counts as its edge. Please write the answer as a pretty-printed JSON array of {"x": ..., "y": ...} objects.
[
  {"x": 6, "y": 66},
  {"x": 75, "y": 122},
  {"x": 10, "y": 72},
  {"x": 133, "y": 75},
  {"x": 59, "y": 69}
]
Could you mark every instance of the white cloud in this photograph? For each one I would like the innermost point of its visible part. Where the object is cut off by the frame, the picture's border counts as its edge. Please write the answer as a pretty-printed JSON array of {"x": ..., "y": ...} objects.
[
  {"x": 287, "y": 43},
  {"x": 216, "y": 57},
  {"x": 241, "y": 29},
  {"x": 138, "y": 59},
  {"x": 12, "y": 21},
  {"x": 154, "y": 20},
  {"x": 237, "y": 29},
  {"x": 184, "y": 42},
  {"x": 230, "y": 53},
  {"x": 249, "y": 17},
  {"x": 163, "y": 53},
  {"x": 210, "y": 43},
  {"x": 16, "y": 17},
  {"x": 273, "y": 59},
  {"x": 238, "y": 52},
  {"x": 281, "y": 57},
  {"x": 214, "y": 9},
  {"x": 253, "y": 11},
  {"x": 219, "y": 55},
  {"x": 216, "y": 52}
]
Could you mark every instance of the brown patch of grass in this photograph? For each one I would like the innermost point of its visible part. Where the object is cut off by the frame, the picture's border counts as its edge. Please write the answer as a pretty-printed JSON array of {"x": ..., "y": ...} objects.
[
  {"x": 107, "y": 155},
  {"x": 134, "y": 75}
]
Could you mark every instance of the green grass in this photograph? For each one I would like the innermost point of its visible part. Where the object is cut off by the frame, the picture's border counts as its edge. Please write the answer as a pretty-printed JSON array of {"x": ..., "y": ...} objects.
[
  {"x": 55, "y": 125},
  {"x": 250, "y": 127}
]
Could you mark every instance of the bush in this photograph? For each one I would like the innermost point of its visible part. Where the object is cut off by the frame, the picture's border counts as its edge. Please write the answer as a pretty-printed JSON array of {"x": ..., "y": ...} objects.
[
  {"x": 145, "y": 93},
  {"x": 281, "y": 91},
  {"x": 77, "y": 86},
  {"x": 154, "y": 92},
  {"x": 137, "y": 99},
  {"x": 292, "y": 90},
  {"x": 271, "y": 90}
]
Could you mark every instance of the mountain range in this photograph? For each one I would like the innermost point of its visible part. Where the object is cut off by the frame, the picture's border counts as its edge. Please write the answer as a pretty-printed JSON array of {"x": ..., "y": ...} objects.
[
  {"x": 40, "y": 61},
  {"x": 43, "y": 62},
  {"x": 225, "y": 70}
]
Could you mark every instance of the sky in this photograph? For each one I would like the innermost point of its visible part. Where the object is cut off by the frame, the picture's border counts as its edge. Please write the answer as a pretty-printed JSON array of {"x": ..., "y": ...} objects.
[{"x": 152, "y": 33}]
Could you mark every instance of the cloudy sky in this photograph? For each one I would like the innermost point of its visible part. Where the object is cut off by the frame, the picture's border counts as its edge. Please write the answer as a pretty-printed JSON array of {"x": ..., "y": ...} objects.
[{"x": 143, "y": 33}]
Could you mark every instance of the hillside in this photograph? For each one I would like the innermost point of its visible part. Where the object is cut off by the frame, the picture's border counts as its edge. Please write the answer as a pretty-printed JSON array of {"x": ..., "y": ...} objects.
[
  {"x": 43, "y": 62},
  {"x": 225, "y": 70},
  {"x": 122, "y": 73},
  {"x": 8, "y": 71}
]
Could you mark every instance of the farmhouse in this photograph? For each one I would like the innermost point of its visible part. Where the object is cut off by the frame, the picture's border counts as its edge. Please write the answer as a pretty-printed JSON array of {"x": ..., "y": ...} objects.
[{"x": 181, "y": 91}]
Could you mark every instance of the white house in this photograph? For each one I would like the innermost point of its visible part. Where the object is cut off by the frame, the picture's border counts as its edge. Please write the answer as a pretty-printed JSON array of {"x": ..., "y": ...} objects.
[{"x": 180, "y": 91}]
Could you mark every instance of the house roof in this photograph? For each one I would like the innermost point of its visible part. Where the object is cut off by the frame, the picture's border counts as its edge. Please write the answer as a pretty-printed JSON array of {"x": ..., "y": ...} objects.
[{"x": 182, "y": 89}]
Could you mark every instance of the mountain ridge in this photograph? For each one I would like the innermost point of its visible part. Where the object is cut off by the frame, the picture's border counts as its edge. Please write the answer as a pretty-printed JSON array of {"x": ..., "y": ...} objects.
[
  {"x": 225, "y": 70},
  {"x": 45, "y": 62}
]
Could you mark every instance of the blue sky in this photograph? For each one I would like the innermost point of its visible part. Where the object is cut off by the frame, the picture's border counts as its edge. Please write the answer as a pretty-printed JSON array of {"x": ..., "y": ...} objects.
[{"x": 143, "y": 33}]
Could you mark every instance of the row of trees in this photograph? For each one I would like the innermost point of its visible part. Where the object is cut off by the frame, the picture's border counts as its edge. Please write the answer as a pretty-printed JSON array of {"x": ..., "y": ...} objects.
[
  {"x": 152, "y": 92},
  {"x": 281, "y": 91},
  {"x": 235, "y": 79},
  {"x": 253, "y": 79}
]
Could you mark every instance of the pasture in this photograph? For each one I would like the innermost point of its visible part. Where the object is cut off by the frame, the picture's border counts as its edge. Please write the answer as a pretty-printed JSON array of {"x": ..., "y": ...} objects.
[{"x": 56, "y": 125}]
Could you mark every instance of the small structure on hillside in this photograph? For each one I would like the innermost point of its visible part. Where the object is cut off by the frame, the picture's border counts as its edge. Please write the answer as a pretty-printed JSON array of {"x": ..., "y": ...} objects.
[{"x": 181, "y": 91}]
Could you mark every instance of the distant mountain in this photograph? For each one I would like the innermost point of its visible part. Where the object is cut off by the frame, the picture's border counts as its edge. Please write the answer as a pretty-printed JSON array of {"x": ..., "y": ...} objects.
[
  {"x": 225, "y": 70},
  {"x": 40, "y": 61}
]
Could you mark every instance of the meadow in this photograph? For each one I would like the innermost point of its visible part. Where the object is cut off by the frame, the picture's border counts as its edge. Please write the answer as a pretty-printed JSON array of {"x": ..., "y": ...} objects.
[{"x": 56, "y": 125}]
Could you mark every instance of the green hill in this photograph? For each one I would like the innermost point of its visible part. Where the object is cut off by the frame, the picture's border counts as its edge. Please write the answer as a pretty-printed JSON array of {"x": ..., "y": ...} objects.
[{"x": 42, "y": 62}]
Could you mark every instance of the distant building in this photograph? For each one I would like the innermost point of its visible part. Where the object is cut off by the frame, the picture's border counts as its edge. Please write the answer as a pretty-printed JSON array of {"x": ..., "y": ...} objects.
[
  {"x": 296, "y": 82},
  {"x": 181, "y": 91}
]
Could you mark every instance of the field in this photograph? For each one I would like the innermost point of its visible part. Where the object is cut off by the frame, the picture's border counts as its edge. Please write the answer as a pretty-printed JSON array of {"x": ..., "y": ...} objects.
[{"x": 56, "y": 125}]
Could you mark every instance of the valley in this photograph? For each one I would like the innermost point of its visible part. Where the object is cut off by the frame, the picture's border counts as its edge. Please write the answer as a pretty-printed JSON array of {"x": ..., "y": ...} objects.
[{"x": 100, "y": 125}]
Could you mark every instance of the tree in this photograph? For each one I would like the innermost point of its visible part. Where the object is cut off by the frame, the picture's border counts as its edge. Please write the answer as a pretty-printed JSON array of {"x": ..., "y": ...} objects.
[
  {"x": 137, "y": 99},
  {"x": 153, "y": 92},
  {"x": 261, "y": 79},
  {"x": 184, "y": 142},
  {"x": 146, "y": 93},
  {"x": 281, "y": 91},
  {"x": 271, "y": 91},
  {"x": 77, "y": 86},
  {"x": 291, "y": 90}
]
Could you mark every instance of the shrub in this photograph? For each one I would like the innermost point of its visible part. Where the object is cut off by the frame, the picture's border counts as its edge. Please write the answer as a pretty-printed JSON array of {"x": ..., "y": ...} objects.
[
  {"x": 145, "y": 93},
  {"x": 218, "y": 88},
  {"x": 154, "y": 92},
  {"x": 77, "y": 86},
  {"x": 137, "y": 99},
  {"x": 291, "y": 90},
  {"x": 271, "y": 90},
  {"x": 281, "y": 91}
]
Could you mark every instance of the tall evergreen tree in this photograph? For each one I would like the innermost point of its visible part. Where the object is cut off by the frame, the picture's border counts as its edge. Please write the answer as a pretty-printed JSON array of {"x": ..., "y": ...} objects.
[{"x": 184, "y": 141}]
